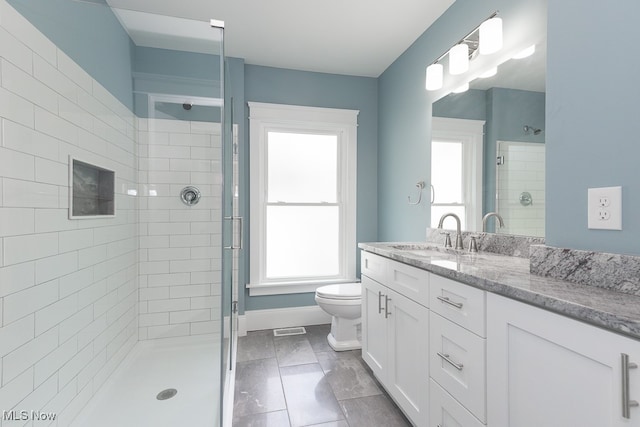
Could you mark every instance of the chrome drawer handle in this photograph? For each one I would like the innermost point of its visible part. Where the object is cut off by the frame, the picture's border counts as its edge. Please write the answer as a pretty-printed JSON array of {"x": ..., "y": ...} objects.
[
  {"x": 387, "y": 313},
  {"x": 446, "y": 300},
  {"x": 626, "y": 402},
  {"x": 445, "y": 357},
  {"x": 379, "y": 302}
]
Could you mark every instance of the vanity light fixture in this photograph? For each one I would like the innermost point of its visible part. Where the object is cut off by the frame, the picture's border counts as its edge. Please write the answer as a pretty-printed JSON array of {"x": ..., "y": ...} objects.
[
  {"x": 491, "y": 36},
  {"x": 525, "y": 52},
  {"x": 486, "y": 38},
  {"x": 459, "y": 59},
  {"x": 434, "y": 76}
]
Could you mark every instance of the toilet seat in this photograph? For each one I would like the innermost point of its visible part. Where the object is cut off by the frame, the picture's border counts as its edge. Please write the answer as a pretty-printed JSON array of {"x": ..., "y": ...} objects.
[{"x": 344, "y": 291}]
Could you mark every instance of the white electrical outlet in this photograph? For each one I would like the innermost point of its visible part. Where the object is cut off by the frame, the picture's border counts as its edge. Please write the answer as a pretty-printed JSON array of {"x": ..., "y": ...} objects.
[{"x": 604, "y": 206}]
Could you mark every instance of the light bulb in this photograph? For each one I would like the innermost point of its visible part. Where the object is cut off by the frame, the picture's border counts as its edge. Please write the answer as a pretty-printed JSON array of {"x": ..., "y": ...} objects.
[
  {"x": 490, "y": 36},
  {"x": 434, "y": 77},
  {"x": 459, "y": 59}
]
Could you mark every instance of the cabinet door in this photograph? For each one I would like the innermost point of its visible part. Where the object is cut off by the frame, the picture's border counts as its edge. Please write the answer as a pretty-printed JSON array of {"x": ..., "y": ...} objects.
[
  {"x": 408, "y": 376},
  {"x": 374, "y": 326},
  {"x": 545, "y": 369}
]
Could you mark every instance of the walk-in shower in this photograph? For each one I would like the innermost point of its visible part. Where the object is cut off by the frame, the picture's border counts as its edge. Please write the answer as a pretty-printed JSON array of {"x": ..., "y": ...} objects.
[{"x": 122, "y": 319}]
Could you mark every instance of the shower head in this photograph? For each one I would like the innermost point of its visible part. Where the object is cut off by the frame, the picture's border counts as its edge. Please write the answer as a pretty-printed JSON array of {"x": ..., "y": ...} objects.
[{"x": 528, "y": 129}]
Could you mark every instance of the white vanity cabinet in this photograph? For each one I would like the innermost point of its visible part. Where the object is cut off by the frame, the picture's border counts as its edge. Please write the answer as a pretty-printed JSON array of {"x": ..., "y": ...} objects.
[
  {"x": 545, "y": 369},
  {"x": 395, "y": 333}
]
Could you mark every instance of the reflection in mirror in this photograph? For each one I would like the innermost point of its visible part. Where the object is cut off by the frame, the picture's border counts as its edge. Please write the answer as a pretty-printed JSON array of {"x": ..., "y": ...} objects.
[{"x": 512, "y": 105}]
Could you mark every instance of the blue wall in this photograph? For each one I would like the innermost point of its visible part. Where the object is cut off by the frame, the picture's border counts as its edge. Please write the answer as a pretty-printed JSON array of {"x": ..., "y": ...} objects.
[
  {"x": 592, "y": 120},
  {"x": 405, "y": 110},
  {"x": 275, "y": 85},
  {"x": 91, "y": 35}
]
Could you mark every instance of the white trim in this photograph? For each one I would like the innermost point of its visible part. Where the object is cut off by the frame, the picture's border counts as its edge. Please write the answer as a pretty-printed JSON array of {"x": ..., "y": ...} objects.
[
  {"x": 242, "y": 325},
  {"x": 343, "y": 123},
  {"x": 286, "y": 317},
  {"x": 471, "y": 133},
  {"x": 290, "y": 288}
]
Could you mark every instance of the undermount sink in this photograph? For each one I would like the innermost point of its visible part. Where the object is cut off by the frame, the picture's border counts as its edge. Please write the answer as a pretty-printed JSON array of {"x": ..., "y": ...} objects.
[{"x": 426, "y": 249}]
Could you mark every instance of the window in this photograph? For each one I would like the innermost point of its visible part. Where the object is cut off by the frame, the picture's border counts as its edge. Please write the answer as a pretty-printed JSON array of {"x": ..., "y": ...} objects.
[
  {"x": 456, "y": 171},
  {"x": 303, "y": 195}
]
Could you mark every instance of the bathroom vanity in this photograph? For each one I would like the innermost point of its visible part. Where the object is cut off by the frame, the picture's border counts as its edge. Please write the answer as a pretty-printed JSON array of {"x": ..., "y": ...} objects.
[{"x": 475, "y": 339}]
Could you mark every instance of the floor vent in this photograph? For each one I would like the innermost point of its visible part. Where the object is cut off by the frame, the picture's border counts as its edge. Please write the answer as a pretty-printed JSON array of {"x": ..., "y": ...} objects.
[
  {"x": 167, "y": 394},
  {"x": 285, "y": 332}
]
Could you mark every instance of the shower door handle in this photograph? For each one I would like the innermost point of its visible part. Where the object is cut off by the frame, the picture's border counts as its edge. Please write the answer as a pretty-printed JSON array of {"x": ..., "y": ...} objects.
[{"x": 233, "y": 243}]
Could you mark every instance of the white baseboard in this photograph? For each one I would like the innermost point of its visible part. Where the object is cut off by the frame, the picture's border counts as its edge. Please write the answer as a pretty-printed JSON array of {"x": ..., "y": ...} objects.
[{"x": 256, "y": 320}]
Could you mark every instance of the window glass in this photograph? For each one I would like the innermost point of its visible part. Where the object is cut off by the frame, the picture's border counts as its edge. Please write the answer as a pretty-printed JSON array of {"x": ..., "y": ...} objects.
[
  {"x": 446, "y": 171},
  {"x": 302, "y": 167},
  {"x": 302, "y": 241}
]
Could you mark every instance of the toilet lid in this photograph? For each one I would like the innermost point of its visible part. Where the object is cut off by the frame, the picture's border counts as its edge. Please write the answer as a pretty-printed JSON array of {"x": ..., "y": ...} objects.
[{"x": 342, "y": 291}]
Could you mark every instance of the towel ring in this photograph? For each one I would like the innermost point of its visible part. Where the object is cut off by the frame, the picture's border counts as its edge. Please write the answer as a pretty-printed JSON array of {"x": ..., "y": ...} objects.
[{"x": 420, "y": 186}]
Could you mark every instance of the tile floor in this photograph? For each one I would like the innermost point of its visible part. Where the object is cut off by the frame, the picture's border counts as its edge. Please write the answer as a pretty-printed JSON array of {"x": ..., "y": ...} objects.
[{"x": 300, "y": 381}]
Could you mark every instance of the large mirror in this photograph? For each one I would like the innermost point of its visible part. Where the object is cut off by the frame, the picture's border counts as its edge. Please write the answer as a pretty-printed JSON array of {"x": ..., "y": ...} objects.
[{"x": 506, "y": 113}]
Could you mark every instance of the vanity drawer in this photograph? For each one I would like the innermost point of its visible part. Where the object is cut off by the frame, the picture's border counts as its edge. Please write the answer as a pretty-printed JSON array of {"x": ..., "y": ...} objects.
[
  {"x": 457, "y": 363},
  {"x": 412, "y": 282},
  {"x": 462, "y": 304},
  {"x": 445, "y": 411},
  {"x": 373, "y": 266}
]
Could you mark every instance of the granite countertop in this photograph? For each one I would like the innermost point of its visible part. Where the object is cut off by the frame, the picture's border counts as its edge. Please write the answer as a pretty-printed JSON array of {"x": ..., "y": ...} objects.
[{"x": 510, "y": 276}]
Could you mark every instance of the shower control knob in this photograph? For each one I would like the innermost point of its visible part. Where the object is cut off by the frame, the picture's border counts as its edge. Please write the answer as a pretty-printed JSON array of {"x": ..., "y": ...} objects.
[{"x": 190, "y": 195}]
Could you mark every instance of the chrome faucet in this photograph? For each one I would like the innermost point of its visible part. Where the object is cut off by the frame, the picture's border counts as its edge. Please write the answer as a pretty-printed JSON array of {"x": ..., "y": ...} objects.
[
  {"x": 447, "y": 242},
  {"x": 489, "y": 215}
]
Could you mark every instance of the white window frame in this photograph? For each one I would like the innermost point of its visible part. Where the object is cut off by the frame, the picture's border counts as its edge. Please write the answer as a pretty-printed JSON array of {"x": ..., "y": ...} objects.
[
  {"x": 471, "y": 134},
  {"x": 265, "y": 118}
]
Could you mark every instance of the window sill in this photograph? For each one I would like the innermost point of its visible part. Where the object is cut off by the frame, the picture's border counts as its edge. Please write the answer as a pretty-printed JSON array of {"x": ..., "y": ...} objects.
[{"x": 282, "y": 288}]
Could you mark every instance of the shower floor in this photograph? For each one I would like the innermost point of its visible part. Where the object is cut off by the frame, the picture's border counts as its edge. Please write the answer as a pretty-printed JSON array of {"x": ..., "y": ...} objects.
[{"x": 188, "y": 364}]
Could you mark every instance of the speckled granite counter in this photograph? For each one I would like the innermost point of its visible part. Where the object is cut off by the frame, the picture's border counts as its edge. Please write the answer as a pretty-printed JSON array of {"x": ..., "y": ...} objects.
[{"x": 510, "y": 276}]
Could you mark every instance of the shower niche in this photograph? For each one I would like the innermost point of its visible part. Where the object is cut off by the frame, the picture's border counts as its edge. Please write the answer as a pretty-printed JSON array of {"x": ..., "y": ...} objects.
[{"x": 91, "y": 190}]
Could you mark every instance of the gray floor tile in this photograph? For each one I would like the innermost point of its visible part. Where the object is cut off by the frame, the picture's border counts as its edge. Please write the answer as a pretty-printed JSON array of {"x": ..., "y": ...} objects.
[
  {"x": 347, "y": 375},
  {"x": 373, "y": 411},
  {"x": 341, "y": 423},
  {"x": 269, "y": 419},
  {"x": 317, "y": 335},
  {"x": 310, "y": 399},
  {"x": 258, "y": 388},
  {"x": 256, "y": 345},
  {"x": 294, "y": 350}
]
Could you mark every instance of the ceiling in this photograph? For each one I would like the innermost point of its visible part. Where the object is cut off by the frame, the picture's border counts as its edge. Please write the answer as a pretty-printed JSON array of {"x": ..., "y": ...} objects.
[{"x": 355, "y": 37}]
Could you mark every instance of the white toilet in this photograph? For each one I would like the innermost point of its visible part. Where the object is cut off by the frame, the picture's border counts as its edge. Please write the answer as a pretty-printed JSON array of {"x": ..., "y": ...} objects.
[{"x": 343, "y": 303}]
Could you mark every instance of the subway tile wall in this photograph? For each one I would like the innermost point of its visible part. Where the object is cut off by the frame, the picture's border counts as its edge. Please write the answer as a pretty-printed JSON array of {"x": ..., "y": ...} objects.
[
  {"x": 68, "y": 288},
  {"x": 180, "y": 245},
  {"x": 523, "y": 170}
]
